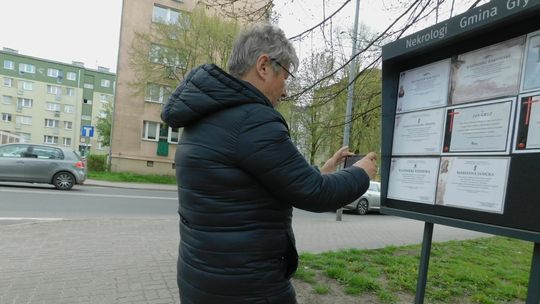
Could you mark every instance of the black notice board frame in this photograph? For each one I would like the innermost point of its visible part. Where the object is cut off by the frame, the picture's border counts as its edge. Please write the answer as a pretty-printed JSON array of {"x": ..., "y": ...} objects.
[{"x": 507, "y": 19}]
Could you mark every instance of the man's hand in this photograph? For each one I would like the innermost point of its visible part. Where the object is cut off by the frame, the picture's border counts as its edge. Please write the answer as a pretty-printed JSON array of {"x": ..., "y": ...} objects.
[
  {"x": 337, "y": 159},
  {"x": 369, "y": 164}
]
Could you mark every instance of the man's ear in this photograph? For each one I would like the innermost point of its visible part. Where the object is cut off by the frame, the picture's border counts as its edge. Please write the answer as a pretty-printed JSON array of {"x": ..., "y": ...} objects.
[{"x": 263, "y": 66}]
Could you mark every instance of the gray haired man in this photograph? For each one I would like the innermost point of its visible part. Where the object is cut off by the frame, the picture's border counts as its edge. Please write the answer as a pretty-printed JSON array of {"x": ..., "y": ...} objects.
[{"x": 239, "y": 176}]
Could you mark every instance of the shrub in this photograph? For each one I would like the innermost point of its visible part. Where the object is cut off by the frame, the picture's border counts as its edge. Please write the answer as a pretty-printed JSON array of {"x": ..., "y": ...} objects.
[{"x": 96, "y": 162}]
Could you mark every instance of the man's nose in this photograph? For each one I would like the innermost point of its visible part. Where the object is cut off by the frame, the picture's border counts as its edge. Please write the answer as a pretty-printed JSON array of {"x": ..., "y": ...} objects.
[{"x": 284, "y": 93}]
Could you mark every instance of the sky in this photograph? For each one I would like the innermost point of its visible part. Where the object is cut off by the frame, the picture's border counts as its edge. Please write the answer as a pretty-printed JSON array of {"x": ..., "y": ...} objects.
[
  {"x": 63, "y": 30},
  {"x": 88, "y": 31}
]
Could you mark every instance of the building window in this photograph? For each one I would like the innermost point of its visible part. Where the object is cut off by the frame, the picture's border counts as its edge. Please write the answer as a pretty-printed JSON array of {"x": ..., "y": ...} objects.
[
  {"x": 88, "y": 86},
  {"x": 157, "y": 93},
  {"x": 51, "y": 123},
  {"x": 52, "y": 140},
  {"x": 70, "y": 92},
  {"x": 53, "y": 72},
  {"x": 165, "y": 15},
  {"x": 27, "y": 68},
  {"x": 69, "y": 109},
  {"x": 27, "y": 137},
  {"x": 164, "y": 55},
  {"x": 53, "y": 89},
  {"x": 68, "y": 125},
  {"x": 53, "y": 106},
  {"x": 66, "y": 142},
  {"x": 8, "y": 82},
  {"x": 104, "y": 98},
  {"x": 151, "y": 130},
  {"x": 6, "y": 117},
  {"x": 174, "y": 135},
  {"x": 86, "y": 117},
  {"x": 7, "y": 100},
  {"x": 105, "y": 83},
  {"x": 25, "y": 102},
  {"x": 27, "y": 86},
  {"x": 9, "y": 65},
  {"x": 71, "y": 76},
  {"x": 24, "y": 120}
]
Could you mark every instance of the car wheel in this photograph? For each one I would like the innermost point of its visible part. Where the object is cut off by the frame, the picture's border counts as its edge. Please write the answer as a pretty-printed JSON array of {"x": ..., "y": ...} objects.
[
  {"x": 362, "y": 207},
  {"x": 63, "y": 180}
]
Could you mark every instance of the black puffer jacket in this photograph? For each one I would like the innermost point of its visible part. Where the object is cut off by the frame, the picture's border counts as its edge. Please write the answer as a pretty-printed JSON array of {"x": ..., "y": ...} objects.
[{"x": 239, "y": 176}]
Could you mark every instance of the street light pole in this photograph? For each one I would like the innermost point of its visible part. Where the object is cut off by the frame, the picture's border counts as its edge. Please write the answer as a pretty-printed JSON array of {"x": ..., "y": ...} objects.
[{"x": 350, "y": 91}]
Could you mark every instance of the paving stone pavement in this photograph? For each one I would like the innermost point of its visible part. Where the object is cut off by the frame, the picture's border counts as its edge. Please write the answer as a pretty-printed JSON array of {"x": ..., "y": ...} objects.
[
  {"x": 134, "y": 260},
  {"x": 89, "y": 261}
]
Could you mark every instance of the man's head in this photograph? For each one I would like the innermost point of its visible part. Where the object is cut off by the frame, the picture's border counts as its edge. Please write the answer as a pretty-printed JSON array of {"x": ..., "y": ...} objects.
[{"x": 264, "y": 57}]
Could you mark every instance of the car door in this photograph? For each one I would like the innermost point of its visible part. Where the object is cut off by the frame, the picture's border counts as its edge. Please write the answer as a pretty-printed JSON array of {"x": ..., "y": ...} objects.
[
  {"x": 41, "y": 164},
  {"x": 376, "y": 188},
  {"x": 12, "y": 162}
]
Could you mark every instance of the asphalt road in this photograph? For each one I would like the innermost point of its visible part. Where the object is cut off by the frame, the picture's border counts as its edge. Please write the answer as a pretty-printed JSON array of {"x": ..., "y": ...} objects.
[
  {"x": 19, "y": 200},
  {"x": 35, "y": 201}
]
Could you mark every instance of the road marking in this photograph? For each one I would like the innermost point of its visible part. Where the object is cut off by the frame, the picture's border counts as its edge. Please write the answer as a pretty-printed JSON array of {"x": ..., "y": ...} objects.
[
  {"x": 30, "y": 219},
  {"x": 54, "y": 192}
]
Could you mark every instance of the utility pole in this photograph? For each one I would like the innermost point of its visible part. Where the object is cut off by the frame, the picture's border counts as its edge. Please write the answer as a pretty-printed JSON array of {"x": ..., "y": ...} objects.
[{"x": 350, "y": 91}]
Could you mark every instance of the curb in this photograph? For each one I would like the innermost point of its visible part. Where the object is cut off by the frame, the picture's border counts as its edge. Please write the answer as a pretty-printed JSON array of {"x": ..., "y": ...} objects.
[{"x": 139, "y": 186}]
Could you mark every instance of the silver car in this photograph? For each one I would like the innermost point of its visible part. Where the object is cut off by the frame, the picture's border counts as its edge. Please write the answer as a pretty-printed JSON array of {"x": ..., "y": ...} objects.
[
  {"x": 32, "y": 163},
  {"x": 371, "y": 200}
]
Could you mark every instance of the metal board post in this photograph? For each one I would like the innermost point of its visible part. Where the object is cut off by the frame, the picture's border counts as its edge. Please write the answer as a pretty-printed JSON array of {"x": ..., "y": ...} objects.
[
  {"x": 533, "y": 293},
  {"x": 424, "y": 263}
]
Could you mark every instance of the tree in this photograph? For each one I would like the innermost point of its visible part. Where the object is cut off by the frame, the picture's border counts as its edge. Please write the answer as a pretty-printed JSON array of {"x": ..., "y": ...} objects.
[
  {"x": 168, "y": 51},
  {"x": 318, "y": 102},
  {"x": 250, "y": 11},
  {"x": 104, "y": 124}
]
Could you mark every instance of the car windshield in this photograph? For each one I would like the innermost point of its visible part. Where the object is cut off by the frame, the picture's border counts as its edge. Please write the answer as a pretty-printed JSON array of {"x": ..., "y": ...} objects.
[{"x": 374, "y": 187}]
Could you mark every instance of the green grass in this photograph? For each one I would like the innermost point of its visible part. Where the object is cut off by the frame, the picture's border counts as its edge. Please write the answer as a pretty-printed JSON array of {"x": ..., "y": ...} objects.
[
  {"x": 487, "y": 270},
  {"x": 132, "y": 178}
]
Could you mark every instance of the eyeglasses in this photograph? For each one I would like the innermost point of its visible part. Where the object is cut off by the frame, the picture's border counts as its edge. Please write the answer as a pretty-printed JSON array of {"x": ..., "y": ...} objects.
[{"x": 281, "y": 66}]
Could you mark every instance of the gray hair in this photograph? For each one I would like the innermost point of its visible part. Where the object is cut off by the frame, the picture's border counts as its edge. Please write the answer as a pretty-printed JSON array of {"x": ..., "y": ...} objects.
[{"x": 262, "y": 38}]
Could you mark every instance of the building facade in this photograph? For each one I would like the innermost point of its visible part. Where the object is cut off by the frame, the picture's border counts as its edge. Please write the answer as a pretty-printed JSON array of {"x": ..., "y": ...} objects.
[
  {"x": 141, "y": 142},
  {"x": 44, "y": 101}
]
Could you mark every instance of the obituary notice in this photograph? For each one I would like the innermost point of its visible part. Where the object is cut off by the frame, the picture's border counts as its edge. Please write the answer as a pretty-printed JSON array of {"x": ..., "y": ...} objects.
[
  {"x": 413, "y": 179},
  {"x": 527, "y": 138},
  {"x": 473, "y": 183},
  {"x": 488, "y": 73},
  {"x": 481, "y": 128},
  {"x": 418, "y": 132},
  {"x": 531, "y": 69},
  {"x": 424, "y": 87}
]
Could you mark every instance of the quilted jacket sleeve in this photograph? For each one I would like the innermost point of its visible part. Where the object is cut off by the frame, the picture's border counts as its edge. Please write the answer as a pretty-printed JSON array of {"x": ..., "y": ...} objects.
[{"x": 267, "y": 153}]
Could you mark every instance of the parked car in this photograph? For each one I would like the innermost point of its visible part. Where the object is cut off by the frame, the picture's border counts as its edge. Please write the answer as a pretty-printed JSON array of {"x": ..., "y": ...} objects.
[
  {"x": 371, "y": 200},
  {"x": 33, "y": 163}
]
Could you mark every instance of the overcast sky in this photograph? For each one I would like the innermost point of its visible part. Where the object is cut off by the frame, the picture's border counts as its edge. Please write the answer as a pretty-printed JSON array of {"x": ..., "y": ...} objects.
[{"x": 88, "y": 31}]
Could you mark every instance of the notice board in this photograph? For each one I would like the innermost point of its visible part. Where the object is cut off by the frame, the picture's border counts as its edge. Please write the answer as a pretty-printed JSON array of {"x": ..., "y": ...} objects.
[{"x": 461, "y": 121}]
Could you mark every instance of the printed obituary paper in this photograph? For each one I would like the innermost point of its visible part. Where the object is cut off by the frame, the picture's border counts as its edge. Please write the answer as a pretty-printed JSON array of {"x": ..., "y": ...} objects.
[
  {"x": 531, "y": 70},
  {"x": 424, "y": 87},
  {"x": 418, "y": 132},
  {"x": 482, "y": 127},
  {"x": 489, "y": 72},
  {"x": 413, "y": 179},
  {"x": 527, "y": 138},
  {"x": 473, "y": 183}
]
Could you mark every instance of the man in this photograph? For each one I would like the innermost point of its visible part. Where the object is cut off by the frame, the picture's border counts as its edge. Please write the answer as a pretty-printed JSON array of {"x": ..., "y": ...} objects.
[{"x": 239, "y": 175}]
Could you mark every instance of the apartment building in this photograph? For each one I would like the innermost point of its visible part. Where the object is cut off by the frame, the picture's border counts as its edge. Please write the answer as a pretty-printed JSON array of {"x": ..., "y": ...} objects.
[
  {"x": 44, "y": 101},
  {"x": 141, "y": 142}
]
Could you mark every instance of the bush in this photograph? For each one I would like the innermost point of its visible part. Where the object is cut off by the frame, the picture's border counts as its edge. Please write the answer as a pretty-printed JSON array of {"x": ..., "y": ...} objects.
[{"x": 96, "y": 162}]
